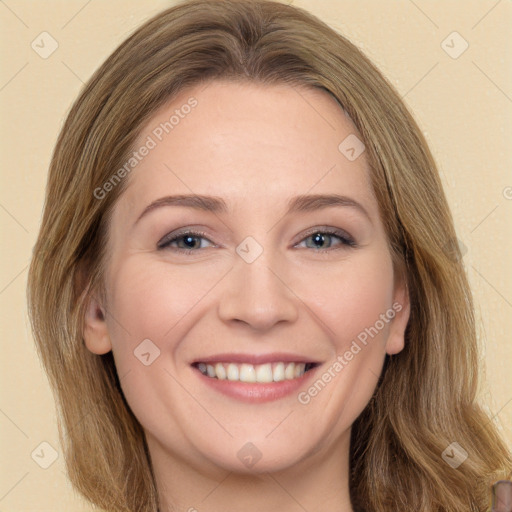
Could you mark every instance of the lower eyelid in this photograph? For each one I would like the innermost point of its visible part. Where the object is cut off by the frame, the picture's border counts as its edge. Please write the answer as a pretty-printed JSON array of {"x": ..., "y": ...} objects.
[{"x": 342, "y": 244}]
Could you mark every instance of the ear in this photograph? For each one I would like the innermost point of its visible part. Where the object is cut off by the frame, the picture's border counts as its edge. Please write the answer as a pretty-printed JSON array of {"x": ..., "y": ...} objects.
[
  {"x": 402, "y": 307},
  {"x": 95, "y": 333}
]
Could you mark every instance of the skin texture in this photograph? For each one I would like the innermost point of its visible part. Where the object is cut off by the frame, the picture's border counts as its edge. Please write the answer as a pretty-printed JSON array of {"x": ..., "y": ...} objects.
[{"x": 256, "y": 147}]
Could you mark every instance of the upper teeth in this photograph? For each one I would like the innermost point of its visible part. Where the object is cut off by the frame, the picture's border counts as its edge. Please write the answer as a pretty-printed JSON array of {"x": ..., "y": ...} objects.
[{"x": 268, "y": 372}]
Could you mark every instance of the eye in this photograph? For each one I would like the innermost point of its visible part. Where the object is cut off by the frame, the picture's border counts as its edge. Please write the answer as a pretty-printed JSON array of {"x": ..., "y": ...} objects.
[
  {"x": 188, "y": 241},
  {"x": 191, "y": 241},
  {"x": 321, "y": 237}
]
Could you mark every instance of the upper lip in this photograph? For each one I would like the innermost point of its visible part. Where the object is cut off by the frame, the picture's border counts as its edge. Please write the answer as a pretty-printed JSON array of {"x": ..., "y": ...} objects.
[{"x": 253, "y": 359}]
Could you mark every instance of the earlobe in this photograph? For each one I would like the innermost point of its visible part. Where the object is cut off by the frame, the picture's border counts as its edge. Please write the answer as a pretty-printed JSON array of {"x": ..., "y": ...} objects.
[
  {"x": 95, "y": 334},
  {"x": 402, "y": 307}
]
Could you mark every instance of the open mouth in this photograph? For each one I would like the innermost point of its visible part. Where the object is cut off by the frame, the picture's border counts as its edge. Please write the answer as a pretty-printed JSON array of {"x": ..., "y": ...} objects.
[{"x": 263, "y": 373}]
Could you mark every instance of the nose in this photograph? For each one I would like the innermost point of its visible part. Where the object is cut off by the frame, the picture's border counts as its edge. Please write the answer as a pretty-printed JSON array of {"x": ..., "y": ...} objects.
[{"x": 257, "y": 295}]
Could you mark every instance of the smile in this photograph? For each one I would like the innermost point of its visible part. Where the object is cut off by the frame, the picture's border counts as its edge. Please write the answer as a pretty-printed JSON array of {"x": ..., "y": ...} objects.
[
  {"x": 263, "y": 373},
  {"x": 255, "y": 383}
]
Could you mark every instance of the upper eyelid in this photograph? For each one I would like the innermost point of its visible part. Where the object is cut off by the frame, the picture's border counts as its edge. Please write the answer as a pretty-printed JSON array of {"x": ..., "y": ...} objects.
[
  {"x": 328, "y": 230},
  {"x": 172, "y": 237}
]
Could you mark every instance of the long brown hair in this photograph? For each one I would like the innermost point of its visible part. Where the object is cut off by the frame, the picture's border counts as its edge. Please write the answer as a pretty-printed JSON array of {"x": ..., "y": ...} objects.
[{"x": 426, "y": 396}]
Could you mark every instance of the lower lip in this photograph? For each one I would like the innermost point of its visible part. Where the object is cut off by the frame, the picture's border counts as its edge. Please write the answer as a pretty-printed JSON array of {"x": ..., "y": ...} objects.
[{"x": 251, "y": 392}]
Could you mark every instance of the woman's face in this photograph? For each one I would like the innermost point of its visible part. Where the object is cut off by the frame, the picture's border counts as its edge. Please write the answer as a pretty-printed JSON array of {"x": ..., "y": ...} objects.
[{"x": 291, "y": 266}]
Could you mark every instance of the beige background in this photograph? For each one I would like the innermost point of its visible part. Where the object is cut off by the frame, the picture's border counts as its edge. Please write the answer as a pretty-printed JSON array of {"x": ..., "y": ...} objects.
[{"x": 463, "y": 105}]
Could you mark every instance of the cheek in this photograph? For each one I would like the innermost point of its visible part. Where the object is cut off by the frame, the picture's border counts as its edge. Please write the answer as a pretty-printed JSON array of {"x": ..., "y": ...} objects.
[
  {"x": 150, "y": 300},
  {"x": 350, "y": 297}
]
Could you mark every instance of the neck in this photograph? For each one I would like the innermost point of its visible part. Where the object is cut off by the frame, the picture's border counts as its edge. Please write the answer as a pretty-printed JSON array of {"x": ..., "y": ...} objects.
[{"x": 319, "y": 482}]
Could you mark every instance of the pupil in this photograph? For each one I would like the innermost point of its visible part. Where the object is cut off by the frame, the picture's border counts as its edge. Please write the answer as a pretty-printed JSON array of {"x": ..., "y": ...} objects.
[
  {"x": 189, "y": 240},
  {"x": 318, "y": 238}
]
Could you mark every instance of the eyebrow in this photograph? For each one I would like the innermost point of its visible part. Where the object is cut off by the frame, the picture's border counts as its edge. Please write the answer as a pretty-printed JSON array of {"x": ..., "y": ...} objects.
[{"x": 214, "y": 204}]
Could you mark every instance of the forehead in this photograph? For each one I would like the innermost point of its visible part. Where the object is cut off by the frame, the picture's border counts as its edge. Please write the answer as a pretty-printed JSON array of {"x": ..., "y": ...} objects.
[{"x": 248, "y": 142}]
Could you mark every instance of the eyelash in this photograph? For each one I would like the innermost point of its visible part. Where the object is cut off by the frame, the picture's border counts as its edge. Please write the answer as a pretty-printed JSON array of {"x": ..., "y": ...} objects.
[{"x": 346, "y": 241}]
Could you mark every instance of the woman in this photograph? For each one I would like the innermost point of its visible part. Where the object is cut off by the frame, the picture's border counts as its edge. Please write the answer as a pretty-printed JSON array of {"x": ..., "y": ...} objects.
[{"x": 206, "y": 350}]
